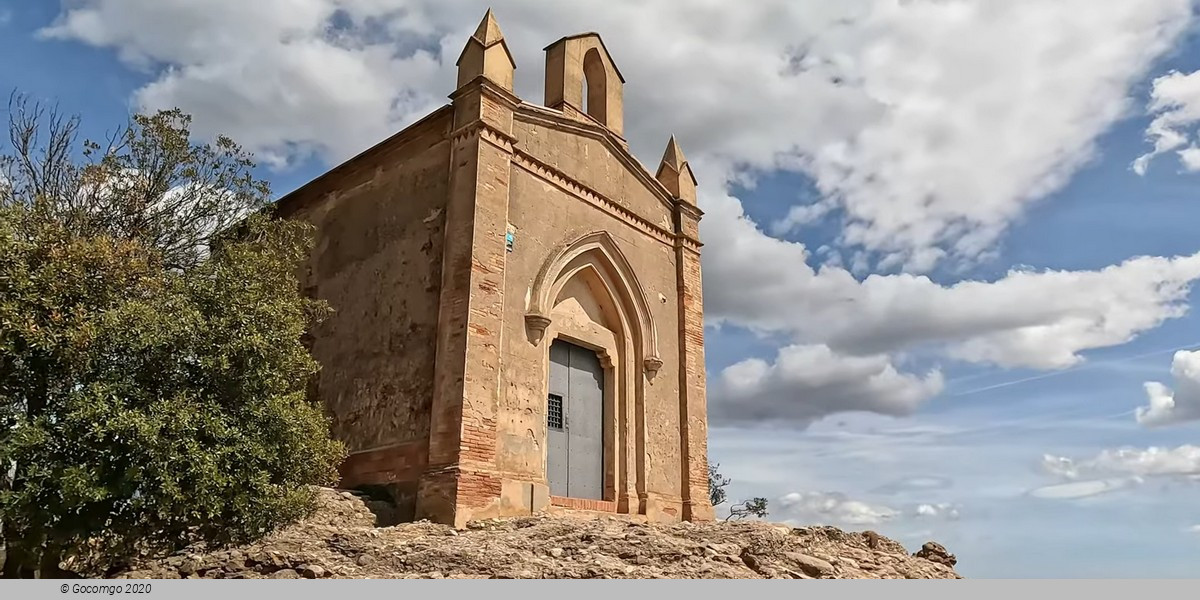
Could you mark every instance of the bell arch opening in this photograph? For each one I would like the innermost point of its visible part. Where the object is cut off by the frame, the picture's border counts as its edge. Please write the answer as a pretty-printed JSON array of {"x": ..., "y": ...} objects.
[{"x": 595, "y": 86}]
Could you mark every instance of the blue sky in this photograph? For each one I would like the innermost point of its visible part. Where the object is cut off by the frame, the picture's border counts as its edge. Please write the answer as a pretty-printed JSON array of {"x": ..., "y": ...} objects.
[{"x": 947, "y": 142}]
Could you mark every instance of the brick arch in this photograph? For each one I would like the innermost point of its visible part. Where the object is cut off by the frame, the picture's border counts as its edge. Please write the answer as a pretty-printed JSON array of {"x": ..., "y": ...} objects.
[{"x": 602, "y": 254}]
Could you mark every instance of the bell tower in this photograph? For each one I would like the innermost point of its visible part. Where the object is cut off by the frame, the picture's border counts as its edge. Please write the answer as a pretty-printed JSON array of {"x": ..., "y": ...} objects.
[{"x": 579, "y": 61}]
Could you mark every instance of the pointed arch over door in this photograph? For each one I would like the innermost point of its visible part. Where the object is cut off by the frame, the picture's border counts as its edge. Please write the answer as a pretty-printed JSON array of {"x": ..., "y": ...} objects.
[{"x": 596, "y": 250}]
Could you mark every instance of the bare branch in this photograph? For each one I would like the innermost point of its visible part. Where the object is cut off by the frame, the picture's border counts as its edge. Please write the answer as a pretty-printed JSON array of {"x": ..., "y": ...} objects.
[{"x": 147, "y": 182}]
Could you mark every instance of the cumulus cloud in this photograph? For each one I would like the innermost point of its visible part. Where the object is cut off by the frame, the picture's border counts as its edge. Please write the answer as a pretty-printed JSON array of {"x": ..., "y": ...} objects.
[
  {"x": 980, "y": 321},
  {"x": 805, "y": 383},
  {"x": 853, "y": 329},
  {"x": 1117, "y": 469},
  {"x": 835, "y": 508},
  {"x": 1175, "y": 104},
  {"x": 1181, "y": 405},
  {"x": 941, "y": 510},
  {"x": 973, "y": 89},
  {"x": 831, "y": 508},
  {"x": 1183, "y": 461},
  {"x": 930, "y": 124},
  {"x": 289, "y": 77}
]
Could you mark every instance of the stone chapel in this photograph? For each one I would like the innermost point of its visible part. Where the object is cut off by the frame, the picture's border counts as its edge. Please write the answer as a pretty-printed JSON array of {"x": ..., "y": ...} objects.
[{"x": 519, "y": 322}]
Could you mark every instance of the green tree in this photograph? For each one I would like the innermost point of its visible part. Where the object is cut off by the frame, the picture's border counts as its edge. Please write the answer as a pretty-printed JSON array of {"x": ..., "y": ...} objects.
[
  {"x": 152, "y": 370},
  {"x": 754, "y": 507},
  {"x": 716, "y": 485}
]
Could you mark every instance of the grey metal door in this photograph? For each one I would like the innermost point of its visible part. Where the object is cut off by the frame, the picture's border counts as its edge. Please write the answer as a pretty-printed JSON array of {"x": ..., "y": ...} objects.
[
  {"x": 575, "y": 422},
  {"x": 557, "y": 469}
]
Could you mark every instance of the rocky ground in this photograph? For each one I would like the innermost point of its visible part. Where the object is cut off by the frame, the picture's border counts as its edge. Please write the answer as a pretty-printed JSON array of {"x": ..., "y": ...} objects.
[{"x": 342, "y": 540}]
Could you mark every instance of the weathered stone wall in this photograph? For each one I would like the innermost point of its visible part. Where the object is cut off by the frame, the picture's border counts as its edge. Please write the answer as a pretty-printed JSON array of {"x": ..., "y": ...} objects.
[{"x": 377, "y": 260}]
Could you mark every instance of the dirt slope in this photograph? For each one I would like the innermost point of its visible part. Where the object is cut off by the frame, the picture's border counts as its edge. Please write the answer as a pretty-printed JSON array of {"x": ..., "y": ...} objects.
[{"x": 342, "y": 540}]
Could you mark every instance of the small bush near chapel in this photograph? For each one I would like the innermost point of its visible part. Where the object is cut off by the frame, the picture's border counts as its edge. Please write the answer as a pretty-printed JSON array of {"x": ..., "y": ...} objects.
[{"x": 152, "y": 382}]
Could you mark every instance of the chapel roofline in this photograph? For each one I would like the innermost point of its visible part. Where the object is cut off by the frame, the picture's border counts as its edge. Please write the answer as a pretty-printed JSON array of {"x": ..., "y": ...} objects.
[{"x": 289, "y": 199}]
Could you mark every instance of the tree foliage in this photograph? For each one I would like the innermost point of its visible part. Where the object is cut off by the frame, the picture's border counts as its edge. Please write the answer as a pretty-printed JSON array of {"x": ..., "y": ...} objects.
[
  {"x": 754, "y": 507},
  {"x": 716, "y": 485},
  {"x": 152, "y": 381}
]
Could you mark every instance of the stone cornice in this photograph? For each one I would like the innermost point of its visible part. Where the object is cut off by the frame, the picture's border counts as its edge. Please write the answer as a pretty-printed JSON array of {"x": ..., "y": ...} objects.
[
  {"x": 691, "y": 211},
  {"x": 555, "y": 119},
  {"x": 485, "y": 132},
  {"x": 577, "y": 114},
  {"x": 687, "y": 243},
  {"x": 482, "y": 83}
]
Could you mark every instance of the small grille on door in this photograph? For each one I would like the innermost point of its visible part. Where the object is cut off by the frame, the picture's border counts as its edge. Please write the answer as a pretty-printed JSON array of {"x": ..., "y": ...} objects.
[{"x": 554, "y": 412}]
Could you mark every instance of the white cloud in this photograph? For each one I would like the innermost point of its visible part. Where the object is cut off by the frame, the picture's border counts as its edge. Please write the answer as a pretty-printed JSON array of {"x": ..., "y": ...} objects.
[
  {"x": 806, "y": 383},
  {"x": 831, "y": 508},
  {"x": 1150, "y": 462},
  {"x": 1117, "y": 469},
  {"x": 1190, "y": 157},
  {"x": 274, "y": 73},
  {"x": 834, "y": 508},
  {"x": 1175, "y": 104},
  {"x": 985, "y": 322},
  {"x": 1167, "y": 406},
  {"x": 1193, "y": 529},
  {"x": 941, "y": 510},
  {"x": 930, "y": 123},
  {"x": 990, "y": 105},
  {"x": 1083, "y": 489}
]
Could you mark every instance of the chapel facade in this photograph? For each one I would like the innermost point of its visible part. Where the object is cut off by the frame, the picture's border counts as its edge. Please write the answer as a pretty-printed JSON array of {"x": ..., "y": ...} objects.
[{"x": 518, "y": 321}]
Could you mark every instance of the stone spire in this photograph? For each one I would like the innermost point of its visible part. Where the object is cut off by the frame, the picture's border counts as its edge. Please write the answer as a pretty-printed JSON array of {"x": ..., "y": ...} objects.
[
  {"x": 488, "y": 32},
  {"x": 675, "y": 173},
  {"x": 486, "y": 54}
]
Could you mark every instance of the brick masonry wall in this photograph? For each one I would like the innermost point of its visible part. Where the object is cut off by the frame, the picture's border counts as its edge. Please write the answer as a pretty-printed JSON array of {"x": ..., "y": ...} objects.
[
  {"x": 395, "y": 468},
  {"x": 401, "y": 462},
  {"x": 463, "y": 436},
  {"x": 584, "y": 504},
  {"x": 693, "y": 402}
]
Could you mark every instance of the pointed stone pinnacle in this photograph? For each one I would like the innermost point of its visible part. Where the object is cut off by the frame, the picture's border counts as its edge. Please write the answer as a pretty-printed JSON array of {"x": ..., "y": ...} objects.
[
  {"x": 488, "y": 32},
  {"x": 676, "y": 174},
  {"x": 673, "y": 157}
]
